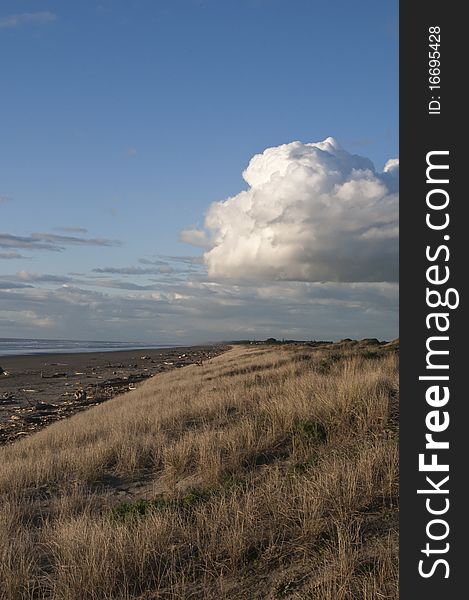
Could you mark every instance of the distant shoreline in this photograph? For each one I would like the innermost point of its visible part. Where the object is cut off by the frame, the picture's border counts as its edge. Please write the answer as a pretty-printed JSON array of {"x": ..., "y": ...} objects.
[
  {"x": 37, "y": 346},
  {"x": 68, "y": 352}
]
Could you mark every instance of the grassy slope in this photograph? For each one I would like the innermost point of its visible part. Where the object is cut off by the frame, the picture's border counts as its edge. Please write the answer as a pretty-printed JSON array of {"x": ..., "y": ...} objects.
[{"x": 268, "y": 472}]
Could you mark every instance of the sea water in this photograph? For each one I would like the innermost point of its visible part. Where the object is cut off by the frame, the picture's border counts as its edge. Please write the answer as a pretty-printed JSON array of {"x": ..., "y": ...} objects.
[{"x": 17, "y": 346}]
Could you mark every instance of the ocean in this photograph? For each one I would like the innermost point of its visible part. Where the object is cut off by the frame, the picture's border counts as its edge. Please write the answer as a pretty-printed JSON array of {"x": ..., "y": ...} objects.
[{"x": 15, "y": 346}]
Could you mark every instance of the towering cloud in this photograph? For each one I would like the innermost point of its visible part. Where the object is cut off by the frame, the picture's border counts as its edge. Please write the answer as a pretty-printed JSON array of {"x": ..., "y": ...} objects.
[{"x": 312, "y": 212}]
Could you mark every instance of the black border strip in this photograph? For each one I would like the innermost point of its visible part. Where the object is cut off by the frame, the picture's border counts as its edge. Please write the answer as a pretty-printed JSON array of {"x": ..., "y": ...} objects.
[{"x": 422, "y": 132}]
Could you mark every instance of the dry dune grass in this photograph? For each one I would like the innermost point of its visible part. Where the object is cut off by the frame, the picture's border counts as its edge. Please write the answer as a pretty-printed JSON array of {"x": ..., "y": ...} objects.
[{"x": 269, "y": 472}]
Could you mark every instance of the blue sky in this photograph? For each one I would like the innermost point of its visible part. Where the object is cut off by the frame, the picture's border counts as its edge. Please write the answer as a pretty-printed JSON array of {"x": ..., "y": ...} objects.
[{"x": 122, "y": 121}]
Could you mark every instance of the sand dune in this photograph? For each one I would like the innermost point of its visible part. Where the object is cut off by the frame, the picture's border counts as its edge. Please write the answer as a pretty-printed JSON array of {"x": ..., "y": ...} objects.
[{"x": 267, "y": 472}]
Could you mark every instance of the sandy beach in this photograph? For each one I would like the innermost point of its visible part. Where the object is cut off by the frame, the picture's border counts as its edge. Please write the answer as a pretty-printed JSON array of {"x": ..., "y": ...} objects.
[{"x": 36, "y": 390}]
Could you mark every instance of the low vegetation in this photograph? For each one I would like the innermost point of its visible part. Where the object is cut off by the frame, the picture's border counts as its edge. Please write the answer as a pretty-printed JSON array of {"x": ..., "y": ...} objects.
[{"x": 268, "y": 472}]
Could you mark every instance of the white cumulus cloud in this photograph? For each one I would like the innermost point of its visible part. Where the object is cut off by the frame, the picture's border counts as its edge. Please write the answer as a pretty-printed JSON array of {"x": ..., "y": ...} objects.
[{"x": 312, "y": 212}]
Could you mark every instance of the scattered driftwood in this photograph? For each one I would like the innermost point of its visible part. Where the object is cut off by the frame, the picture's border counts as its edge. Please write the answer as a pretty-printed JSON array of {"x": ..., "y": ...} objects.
[
  {"x": 53, "y": 376},
  {"x": 7, "y": 398},
  {"x": 32, "y": 399}
]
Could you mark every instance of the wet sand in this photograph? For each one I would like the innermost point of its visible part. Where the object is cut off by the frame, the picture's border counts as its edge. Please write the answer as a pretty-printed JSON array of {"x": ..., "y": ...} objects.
[{"x": 37, "y": 390}]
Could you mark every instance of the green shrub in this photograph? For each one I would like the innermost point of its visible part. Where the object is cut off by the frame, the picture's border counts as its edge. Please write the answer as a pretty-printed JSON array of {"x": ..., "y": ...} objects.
[
  {"x": 310, "y": 430},
  {"x": 326, "y": 364},
  {"x": 141, "y": 508},
  {"x": 370, "y": 355},
  {"x": 302, "y": 467}
]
